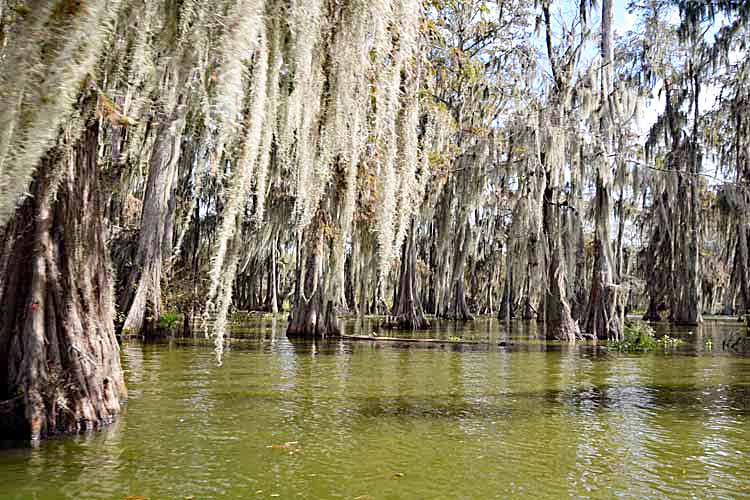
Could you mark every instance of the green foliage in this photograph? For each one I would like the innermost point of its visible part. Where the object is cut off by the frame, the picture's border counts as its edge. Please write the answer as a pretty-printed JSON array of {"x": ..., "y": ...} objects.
[
  {"x": 639, "y": 337},
  {"x": 168, "y": 321},
  {"x": 668, "y": 342}
]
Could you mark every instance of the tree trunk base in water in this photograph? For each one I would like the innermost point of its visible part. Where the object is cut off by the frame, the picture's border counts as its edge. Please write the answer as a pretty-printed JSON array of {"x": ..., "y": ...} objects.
[
  {"x": 652, "y": 313},
  {"x": 407, "y": 322},
  {"x": 651, "y": 317},
  {"x": 528, "y": 312},
  {"x": 59, "y": 358},
  {"x": 460, "y": 316},
  {"x": 309, "y": 321},
  {"x": 564, "y": 331}
]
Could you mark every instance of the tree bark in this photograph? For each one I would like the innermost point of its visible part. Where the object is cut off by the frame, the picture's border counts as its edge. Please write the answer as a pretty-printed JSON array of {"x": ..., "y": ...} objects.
[
  {"x": 558, "y": 321},
  {"x": 658, "y": 257},
  {"x": 685, "y": 159},
  {"x": 456, "y": 307},
  {"x": 507, "y": 302},
  {"x": 407, "y": 310},
  {"x": 742, "y": 251},
  {"x": 59, "y": 358},
  {"x": 314, "y": 314},
  {"x": 141, "y": 298},
  {"x": 602, "y": 320},
  {"x": 743, "y": 259},
  {"x": 274, "y": 284}
]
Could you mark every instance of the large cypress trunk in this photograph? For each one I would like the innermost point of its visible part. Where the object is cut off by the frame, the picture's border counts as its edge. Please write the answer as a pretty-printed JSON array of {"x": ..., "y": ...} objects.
[
  {"x": 407, "y": 310},
  {"x": 59, "y": 358}
]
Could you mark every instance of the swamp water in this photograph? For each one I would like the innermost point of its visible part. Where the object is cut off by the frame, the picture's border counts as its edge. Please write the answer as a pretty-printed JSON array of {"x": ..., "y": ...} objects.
[{"x": 364, "y": 420}]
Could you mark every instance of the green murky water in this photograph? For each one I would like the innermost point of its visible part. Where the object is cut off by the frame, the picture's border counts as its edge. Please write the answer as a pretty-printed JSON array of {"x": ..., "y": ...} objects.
[{"x": 392, "y": 421}]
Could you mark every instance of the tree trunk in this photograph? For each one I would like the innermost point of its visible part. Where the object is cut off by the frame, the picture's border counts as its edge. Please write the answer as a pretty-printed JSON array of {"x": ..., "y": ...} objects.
[
  {"x": 742, "y": 252},
  {"x": 141, "y": 297},
  {"x": 602, "y": 320},
  {"x": 658, "y": 257},
  {"x": 195, "y": 272},
  {"x": 59, "y": 358},
  {"x": 687, "y": 307},
  {"x": 685, "y": 158},
  {"x": 558, "y": 321},
  {"x": 507, "y": 302},
  {"x": 619, "y": 257},
  {"x": 431, "y": 302},
  {"x": 274, "y": 276},
  {"x": 351, "y": 284},
  {"x": 407, "y": 309},
  {"x": 314, "y": 314},
  {"x": 743, "y": 260},
  {"x": 456, "y": 307}
]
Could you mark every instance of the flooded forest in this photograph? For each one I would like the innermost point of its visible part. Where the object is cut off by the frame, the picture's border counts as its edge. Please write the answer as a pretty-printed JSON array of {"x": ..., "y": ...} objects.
[{"x": 284, "y": 230}]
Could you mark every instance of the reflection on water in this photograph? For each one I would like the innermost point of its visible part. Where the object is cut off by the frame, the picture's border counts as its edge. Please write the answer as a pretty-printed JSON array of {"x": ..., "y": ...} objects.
[{"x": 395, "y": 420}]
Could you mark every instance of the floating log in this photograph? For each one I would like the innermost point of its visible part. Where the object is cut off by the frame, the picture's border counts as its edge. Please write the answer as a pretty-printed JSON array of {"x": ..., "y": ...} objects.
[{"x": 418, "y": 341}]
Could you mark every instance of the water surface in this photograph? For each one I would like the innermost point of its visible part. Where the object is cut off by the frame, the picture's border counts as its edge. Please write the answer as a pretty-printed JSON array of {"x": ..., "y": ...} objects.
[{"x": 361, "y": 420}]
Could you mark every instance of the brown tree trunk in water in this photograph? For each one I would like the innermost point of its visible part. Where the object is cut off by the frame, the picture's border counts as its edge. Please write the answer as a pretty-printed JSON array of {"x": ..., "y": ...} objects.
[
  {"x": 313, "y": 315},
  {"x": 652, "y": 312},
  {"x": 141, "y": 300},
  {"x": 578, "y": 307},
  {"x": 602, "y": 319},
  {"x": 557, "y": 318},
  {"x": 687, "y": 306},
  {"x": 743, "y": 260},
  {"x": 195, "y": 272},
  {"x": 59, "y": 358},
  {"x": 507, "y": 301},
  {"x": 407, "y": 309},
  {"x": 742, "y": 251},
  {"x": 685, "y": 158},
  {"x": 456, "y": 307},
  {"x": 658, "y": 257},
  {"x": 351, "y": 284},
  {"x": 431, "y": 303},
  {"x": 274, "y": 276}
]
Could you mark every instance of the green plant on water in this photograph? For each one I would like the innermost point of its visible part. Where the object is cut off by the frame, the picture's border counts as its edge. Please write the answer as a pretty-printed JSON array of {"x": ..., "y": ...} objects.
[
  {"x": 640, "y": 337},
  {"x": 168, "y": 321},
  {"x": 453, "y": 338},
  {"x": 668, "y": 342},
  {"x": 708, "y": 344}
]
